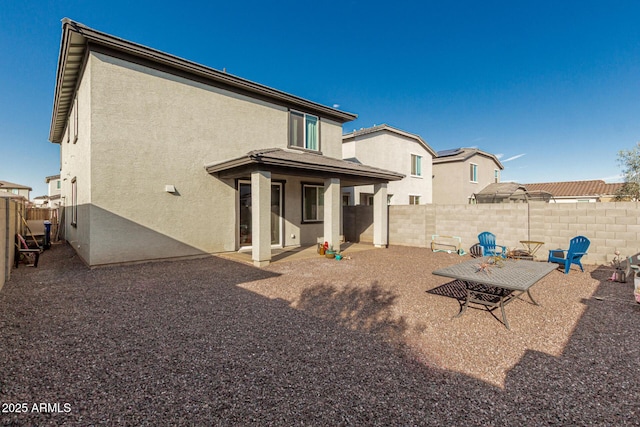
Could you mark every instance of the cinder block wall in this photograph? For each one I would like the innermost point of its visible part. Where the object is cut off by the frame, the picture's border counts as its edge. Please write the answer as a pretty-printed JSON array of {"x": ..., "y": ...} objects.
[
  {"x": 4, "y": 271},
  {"x": 507, "y": 221},
  {"x": 357, "y": 223},
  {"x": 8, "y": 224},
  {"x": 610, "y": 226},
  {"x": 412, "y": 224}
]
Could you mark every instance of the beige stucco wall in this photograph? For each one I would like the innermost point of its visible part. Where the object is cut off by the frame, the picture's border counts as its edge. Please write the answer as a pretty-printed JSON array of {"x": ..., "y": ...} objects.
[
  {"x": 75, "y": 163},
  {"x": 147, "y": 129},
  {"x": 451, "y": 180},
  {"x": 53, "y": 189},
  {"x": 17, "y": 192},
  {"x": 390, "y": 151}
]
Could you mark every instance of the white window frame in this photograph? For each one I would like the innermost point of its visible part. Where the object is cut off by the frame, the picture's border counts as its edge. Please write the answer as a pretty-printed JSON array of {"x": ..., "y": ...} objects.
[
  {"x": 319, "y": 202},
  {"x": 414, "y": 199},
  {"x": 305, "y": 117},
  {"x": 473, "y": 172},
  {"x": 496, "y": 175},
  {"x": 418, "y": 165}
]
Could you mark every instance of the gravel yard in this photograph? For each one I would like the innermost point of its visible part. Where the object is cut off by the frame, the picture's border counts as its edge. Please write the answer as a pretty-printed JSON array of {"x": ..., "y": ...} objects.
[{"x": 369, "y": 340}]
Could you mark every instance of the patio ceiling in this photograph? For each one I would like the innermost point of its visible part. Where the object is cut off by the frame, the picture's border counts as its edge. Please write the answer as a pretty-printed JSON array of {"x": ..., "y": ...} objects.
[{"x": 285, "y": 162}]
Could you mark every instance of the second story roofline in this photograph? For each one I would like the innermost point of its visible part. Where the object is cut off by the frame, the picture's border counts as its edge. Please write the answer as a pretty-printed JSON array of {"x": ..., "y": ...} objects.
[
  {"x": 78, "y": 40},
  {"x": 463, "y": 154},
  {"x": 6, "y": 185},
  {"x": 386, "y": 128}
]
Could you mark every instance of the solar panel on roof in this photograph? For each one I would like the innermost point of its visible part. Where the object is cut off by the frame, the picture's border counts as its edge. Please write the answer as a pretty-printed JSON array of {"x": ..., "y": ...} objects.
[{"x": 450, "y": 152}]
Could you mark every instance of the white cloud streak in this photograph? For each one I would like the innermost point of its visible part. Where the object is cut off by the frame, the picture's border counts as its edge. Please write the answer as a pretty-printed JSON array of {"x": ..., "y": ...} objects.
[{"x": 517, "y": 156}]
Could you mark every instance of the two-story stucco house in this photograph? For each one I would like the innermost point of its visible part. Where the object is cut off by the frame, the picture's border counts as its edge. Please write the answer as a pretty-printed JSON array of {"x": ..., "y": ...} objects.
[
  {"x": 15, "y": 189},
  {"x": 164, "y": 158},
  {"x": 52, "y": 199},
  {"x": 459, "y": 173},
  {"x": 393, "y": 149}
]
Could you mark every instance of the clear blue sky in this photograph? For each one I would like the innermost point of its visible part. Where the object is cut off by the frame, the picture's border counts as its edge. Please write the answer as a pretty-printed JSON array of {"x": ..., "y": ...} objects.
[{"x": 552, "y": 87}]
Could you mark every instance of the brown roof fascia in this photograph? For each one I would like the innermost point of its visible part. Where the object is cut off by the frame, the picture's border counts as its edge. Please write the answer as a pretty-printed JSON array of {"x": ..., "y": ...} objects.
[
  {"x": 466, "y": 155},
  {"x": 94, "y": 39},
  {"x": 283, "y": 161}
]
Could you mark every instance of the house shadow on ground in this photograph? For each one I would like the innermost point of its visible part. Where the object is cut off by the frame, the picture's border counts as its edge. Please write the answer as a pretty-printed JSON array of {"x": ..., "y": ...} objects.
[
  {"x": 595, "y": 380},
  {"x": 180, "y": 343}
]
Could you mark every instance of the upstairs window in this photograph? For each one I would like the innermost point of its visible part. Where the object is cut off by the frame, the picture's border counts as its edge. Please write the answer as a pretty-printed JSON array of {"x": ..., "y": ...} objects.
[
  {"x": 303, "y": 131},
  {"x": 496, "y": 175},
  {"x": 473, "y": 172},
  {"x": 416, "y": 165},
  {"x": 414, "y": 200}
]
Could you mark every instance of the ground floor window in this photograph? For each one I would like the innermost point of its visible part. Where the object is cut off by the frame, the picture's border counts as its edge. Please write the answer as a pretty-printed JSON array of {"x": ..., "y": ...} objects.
[
  {"x": 414, "y": 200},
  {"x": 312, "y": 202}
]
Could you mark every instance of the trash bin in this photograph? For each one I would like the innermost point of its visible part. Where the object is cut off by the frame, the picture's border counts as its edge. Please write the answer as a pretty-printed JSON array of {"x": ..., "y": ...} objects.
[{"x": 47, "y": 234}]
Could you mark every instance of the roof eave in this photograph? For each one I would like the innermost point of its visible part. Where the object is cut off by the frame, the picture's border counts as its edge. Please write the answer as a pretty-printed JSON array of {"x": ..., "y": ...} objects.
[
  {"x": 258, "y": 159},
  {"x": 71, "y": 28}
]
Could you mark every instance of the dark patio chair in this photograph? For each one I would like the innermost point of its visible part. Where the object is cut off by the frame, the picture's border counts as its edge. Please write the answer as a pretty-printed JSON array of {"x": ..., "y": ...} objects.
[
  {"x": 25, "y": 253},
  {"x": 577, "y": 249},
  {"x": 488, "y": 245}
]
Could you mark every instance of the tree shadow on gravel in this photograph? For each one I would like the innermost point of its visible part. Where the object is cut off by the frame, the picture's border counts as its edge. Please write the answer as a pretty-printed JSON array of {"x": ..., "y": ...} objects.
[{"x": 362, "y": 308}]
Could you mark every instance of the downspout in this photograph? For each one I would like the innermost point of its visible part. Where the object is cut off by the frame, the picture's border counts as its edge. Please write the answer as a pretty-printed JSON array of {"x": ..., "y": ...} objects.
[{"x": 387, "y": 245}]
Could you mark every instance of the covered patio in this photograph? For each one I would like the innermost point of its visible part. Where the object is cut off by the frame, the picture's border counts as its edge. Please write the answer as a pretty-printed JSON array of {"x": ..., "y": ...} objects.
[{"x": 261, "y": 167}]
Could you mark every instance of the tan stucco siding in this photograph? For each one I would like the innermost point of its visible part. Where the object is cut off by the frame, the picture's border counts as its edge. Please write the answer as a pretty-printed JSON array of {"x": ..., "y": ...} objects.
[
  {"x": 393, "y": 152},
  {"x": 75, "y": 157},
  {"x": 150, "y": 129},
  {"x": 331, "y": 138},
  {"x": 452, "y": 180},
  {"x": 448, "y": 183}
]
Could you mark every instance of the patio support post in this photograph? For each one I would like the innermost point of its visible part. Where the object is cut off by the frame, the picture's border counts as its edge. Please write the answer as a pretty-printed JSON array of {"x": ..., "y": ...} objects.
[
  {"x": 380, "y": 215},
  {"x": 261, "y": 218},
  {"x": 332, "y": 206}
]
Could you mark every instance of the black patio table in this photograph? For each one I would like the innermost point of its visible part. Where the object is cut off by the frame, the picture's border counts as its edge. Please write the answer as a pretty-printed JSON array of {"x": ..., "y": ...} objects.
[{"x": 498, "y": 284}]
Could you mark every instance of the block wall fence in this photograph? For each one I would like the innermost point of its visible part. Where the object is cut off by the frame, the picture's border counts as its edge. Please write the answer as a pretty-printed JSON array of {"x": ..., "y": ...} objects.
[
  {"x": 9, "y": 215},
  {"x": 610, "y": 226}
]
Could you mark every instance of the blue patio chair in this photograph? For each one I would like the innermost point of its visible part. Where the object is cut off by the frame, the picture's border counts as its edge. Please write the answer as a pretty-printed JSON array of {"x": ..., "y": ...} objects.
[
  {"x": 488, "y": 245},
  {"x": 577, "y": 249}
]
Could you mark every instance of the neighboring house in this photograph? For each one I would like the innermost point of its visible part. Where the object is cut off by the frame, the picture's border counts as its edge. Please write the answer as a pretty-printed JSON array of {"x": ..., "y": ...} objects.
[
  {"x": 502, "y": 192},
  {"x": 16, "y": 189},
  {"x": 164, "y": 158},
  {"x": 460, "y": 173},
  {"x": 54, "y": 185},
  {"x": 393, "y": 149},
  {"x": 576, "y": 191},
  {"x": 52, "y": 199}
]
